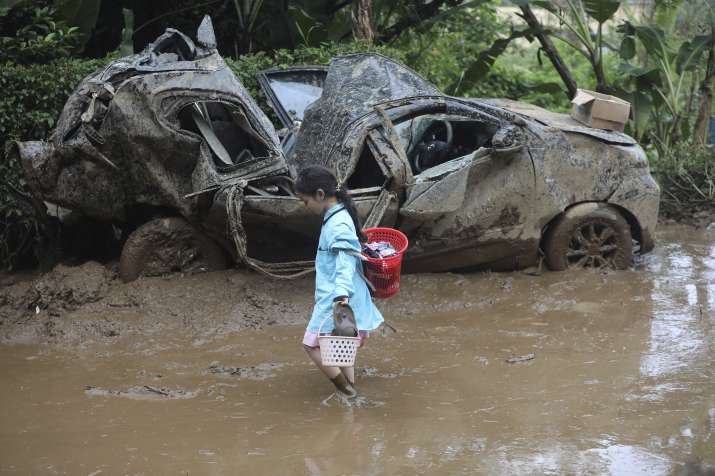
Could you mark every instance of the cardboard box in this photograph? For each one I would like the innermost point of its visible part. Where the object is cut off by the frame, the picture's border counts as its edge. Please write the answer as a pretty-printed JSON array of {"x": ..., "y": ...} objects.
[{"x": 600, "y": 110}]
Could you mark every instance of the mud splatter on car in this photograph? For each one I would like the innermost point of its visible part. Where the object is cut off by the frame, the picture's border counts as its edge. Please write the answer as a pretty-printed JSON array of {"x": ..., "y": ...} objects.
[{"x": 168, "y": 145}]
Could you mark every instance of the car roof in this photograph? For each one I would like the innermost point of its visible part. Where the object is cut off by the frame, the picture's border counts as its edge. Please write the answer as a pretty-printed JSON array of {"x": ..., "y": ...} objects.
[{"x": 355, "y": 83}]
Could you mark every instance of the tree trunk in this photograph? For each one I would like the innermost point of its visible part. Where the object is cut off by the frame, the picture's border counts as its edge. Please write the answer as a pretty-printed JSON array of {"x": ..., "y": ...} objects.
[
  {"x": 550, "y": 49},
  {"x": 702, "y": 124},
  {"x": 362, "y": 20},
  {"x": 601, "y": 83}
]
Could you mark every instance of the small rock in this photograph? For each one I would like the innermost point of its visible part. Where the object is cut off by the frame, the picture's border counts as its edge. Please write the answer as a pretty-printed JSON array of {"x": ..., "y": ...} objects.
[{"x": 711, "y": 227}]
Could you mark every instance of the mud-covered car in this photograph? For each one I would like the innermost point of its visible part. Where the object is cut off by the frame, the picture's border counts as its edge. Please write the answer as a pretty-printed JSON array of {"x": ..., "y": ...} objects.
[{"x": 169, "y": 146}]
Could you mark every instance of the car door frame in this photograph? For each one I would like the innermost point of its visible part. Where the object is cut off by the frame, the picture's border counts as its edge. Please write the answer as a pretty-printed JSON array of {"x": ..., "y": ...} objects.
[{"x": 489, "y": 238}]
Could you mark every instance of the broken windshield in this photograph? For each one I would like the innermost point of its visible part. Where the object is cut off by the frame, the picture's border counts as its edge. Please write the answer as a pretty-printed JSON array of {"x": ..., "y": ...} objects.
[{"x": 291, "y": 91}]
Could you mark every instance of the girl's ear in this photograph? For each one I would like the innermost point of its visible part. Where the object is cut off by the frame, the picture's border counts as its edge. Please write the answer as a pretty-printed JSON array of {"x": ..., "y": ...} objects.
[{"x": 320, "y": 194}]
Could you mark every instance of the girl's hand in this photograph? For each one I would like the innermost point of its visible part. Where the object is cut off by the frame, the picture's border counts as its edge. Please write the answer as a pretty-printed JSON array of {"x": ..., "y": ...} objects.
[{"x": 341, "y": 301}]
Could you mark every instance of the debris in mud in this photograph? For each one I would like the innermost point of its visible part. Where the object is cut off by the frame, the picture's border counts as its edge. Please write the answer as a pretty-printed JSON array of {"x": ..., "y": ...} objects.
[
  {"x": 519, "y": 359},
  {"x": 482, "y": 360},
  {"x": 37, "y": 308},
  {"x": 125, "y": 300},
  {"x": 255, "y": 372},
  {"x": 62, "y": 289},
  {"x": 359, "y": 401},
  {"x": 373, "y": 372},
  {"x": 144, "y": 392}
]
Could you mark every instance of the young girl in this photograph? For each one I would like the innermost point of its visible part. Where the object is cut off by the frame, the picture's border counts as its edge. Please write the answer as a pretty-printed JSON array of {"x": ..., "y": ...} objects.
[{"x": 338, "y": 278}]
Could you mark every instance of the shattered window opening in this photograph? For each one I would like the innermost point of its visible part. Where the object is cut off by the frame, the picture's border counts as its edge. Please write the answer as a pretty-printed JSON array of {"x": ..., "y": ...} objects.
[
  {"x": 227, "y": 131},
  {"x": 173, "y": 44},
  {"x": 367, "y": 173},
  {"x": 296, "y": 90},
  {"x": 433, "y": 139}
]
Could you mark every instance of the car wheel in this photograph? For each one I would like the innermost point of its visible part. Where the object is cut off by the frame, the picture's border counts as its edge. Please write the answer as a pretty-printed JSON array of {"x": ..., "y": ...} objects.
[
  {"x": 165, "y": 245},
  {"x": 589, "y": 235}
]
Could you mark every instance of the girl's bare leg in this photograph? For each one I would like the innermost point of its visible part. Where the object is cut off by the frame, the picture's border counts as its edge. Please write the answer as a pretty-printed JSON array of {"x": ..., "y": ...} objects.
[
  {"x": 314, "y": 354},
  {"x": 349, "y": 373},
  {"x": 340, "y": 380}
]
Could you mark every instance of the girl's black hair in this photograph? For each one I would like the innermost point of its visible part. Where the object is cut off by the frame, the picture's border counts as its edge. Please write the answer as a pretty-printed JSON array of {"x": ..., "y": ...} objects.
[{"x": 315, "y": 177}]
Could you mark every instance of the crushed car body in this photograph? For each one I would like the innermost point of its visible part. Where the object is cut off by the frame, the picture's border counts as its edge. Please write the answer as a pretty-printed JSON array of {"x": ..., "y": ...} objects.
[{"x": 171, "y": 133}]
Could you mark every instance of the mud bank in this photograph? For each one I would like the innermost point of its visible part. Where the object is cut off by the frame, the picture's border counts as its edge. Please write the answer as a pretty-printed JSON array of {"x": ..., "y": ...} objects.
[
  {"x": 699, "y": 218},
  {"x": 563, "y": 373},
  {"x": 71, "y": 305}
]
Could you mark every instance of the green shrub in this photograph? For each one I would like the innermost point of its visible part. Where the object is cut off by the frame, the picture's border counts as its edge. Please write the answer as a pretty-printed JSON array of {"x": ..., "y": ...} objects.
[
  {"x": 686, "y": 174},
  {"x": 32, "y": 34},
  {"x": 32, "y": 99}
]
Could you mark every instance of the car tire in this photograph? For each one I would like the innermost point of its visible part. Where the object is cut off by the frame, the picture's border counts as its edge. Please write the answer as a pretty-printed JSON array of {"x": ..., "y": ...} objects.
[
  {"x": 589, "y": 235},
  {"x": 166, "y": 245}
]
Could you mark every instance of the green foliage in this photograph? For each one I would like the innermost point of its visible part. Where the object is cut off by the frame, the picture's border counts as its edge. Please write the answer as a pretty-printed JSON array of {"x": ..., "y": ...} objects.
[
  {"x": 81, "y": 14},
  {"x": 479, "y": 68},
  {"x": 686, "y": 173},
  {"x": 658, "y": 91},
  {"x": 442, "y": 51},
  {"x": 33, "y": 34},
  {"x": 576, "y": 18},
  {"x": 533, "y": 79},
  {"x": 32, "y": 101},
  {"x": 601, "y": 10}
]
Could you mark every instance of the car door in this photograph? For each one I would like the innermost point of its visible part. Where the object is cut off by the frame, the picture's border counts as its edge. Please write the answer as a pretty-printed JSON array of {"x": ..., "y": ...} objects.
[{"x": 469, "y": 209}]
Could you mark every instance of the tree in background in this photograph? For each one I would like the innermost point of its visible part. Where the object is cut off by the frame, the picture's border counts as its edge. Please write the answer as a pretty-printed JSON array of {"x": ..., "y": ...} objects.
[
  {"x": 702, "y": 123},
  {"x": 362, "y": 20}
]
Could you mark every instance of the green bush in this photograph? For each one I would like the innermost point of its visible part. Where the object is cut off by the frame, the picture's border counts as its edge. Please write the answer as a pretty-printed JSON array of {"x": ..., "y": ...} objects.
[
  {"x": 32, "y": 34},
  {"x": 686, "y": 174},
  {"x": 32, "y": 99},
  {"x": 530, "y": 70}
]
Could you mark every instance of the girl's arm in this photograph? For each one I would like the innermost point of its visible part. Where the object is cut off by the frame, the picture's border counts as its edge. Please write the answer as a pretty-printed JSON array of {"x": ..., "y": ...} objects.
[
  {"x": 344, "y": 272},
  {"x": 344, "y": 240}
]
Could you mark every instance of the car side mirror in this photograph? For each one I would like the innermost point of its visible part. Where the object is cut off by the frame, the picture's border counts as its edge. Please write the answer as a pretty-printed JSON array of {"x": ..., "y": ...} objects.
[
  {"x": 508, "y": 141},
  {"x": 507, "y": 151}
]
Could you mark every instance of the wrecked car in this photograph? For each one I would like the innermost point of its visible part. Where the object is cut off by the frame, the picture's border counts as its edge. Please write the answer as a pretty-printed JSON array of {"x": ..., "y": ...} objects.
[{"x": 169, "y": 146}]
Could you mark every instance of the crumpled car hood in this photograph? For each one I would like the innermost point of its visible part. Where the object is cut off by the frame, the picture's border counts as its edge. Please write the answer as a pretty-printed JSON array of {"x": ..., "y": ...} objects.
[
  {"x": 119, "y": 143},
  {"x": 563, "y": 122},
  {"x": 355, "y": 84}
]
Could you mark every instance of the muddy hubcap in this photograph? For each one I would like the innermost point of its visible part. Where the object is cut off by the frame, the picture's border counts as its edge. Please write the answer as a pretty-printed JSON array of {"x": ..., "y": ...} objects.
[{"x": 592, "y": 245}]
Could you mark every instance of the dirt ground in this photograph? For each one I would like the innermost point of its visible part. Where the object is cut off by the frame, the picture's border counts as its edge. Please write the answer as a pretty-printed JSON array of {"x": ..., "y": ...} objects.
[{"x": 508, "y": 373}]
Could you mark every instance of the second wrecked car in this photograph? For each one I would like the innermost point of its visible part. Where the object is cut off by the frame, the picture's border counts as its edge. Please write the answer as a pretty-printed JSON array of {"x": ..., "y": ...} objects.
[{"x": 170, "y": 145}]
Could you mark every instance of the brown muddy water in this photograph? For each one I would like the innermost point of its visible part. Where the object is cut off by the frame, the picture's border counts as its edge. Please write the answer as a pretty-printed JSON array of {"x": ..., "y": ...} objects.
[{"x": 205, "y": 375}]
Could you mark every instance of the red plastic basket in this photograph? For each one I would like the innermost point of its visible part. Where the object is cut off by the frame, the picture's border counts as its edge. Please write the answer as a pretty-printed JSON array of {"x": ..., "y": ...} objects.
[{"x": 384, "y": 273}]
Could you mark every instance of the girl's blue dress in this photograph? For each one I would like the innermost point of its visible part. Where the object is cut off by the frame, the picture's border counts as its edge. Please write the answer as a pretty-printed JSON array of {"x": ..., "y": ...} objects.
[{"x": 337, "y": 274}]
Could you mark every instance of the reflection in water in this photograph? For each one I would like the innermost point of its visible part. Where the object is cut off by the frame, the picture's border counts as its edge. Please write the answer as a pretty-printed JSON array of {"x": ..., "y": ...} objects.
[
  {"x": 622, "y": 383},
  {"x": 677, "y": 335}
]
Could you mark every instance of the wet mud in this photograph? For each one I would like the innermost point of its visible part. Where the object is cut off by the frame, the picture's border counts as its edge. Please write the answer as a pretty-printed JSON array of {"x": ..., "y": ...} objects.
[{"x": 563, "y": 373}]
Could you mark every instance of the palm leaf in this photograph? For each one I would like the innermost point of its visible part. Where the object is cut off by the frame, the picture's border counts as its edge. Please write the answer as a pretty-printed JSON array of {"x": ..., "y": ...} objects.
[{"x": 601, "y": 10}]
